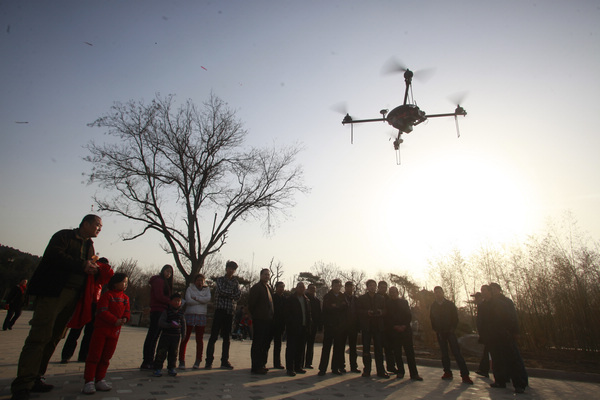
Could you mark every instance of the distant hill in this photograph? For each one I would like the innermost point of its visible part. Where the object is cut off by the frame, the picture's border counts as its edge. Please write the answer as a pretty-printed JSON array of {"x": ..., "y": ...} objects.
[{"x": 15, "y": 265}]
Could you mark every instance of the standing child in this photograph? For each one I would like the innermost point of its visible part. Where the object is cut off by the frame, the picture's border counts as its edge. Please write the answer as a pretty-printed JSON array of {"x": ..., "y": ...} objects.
[
  {"x": 112, "y": 313},
  {"x": 172, "y": 323}
]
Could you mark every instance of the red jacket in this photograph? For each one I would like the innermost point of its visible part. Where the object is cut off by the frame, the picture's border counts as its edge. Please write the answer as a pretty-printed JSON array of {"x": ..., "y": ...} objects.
[
  {"x": 159, "y": 301},
  {"x": 93, "y": 287},
  {"x": 113, "y": 305}
]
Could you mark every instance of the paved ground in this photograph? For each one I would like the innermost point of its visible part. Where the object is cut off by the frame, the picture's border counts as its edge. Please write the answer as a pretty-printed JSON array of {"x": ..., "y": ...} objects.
[{"x": 130, "y": 383}]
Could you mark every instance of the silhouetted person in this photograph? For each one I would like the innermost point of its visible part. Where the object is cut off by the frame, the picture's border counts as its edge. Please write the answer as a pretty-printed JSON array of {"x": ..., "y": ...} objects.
[
  {"x": 335, "y": 312},
  {"x": 370, "y": 309},
  {"x": 298, "y": 320},
  {"x": 278, "y": 323},
  {"x": 15, "y": 300},
  {"x": 388, "y": 349},
  {"x": 315, "y": 326},
  {"x": 444, "y": 320},
  {"x": 504, "y": 331},
  {"x": 352, "y": 325},
  {"x": 260, "y": 305},
  {"x": 483, "y": 299},
  {"x": 398, "y": 318}
]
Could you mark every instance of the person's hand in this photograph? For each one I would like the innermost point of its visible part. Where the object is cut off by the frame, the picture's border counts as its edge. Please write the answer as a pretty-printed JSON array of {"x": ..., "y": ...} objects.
[
  {"x": 90, "y": 267},
  {"x": 120, "y": 321}
]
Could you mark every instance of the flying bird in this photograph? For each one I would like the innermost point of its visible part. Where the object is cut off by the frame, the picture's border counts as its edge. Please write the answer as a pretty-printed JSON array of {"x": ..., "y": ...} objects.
[
  {"x": 203, "y": 68},
  {"x": 88, "y": 43}
]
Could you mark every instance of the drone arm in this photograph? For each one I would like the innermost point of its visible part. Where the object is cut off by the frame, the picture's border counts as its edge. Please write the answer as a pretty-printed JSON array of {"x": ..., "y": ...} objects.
[
  {"x": 442, "y": 115},
  {"x": 356, "y": 121}
]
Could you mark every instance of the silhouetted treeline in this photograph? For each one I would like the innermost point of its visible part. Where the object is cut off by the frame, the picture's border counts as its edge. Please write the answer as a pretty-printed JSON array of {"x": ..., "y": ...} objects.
[
  {"x": 553, "y": 279},
  {"x": 14, "y": 266}
]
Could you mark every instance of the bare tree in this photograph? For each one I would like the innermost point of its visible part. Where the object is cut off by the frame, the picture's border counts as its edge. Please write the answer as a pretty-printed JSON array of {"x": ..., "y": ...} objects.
[
  {"x": 184, "y": 174},
  {"x": 276, "y": 272}
]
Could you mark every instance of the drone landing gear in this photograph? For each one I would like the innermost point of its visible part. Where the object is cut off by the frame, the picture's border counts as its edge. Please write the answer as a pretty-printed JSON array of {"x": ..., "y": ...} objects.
[
  {"x": 397, "y": 142},
  {"x": 457, "y": 129}
]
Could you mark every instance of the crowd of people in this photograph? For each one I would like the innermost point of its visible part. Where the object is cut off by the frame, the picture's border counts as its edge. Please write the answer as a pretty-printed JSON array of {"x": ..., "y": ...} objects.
[{"x": 75, "y": 289}]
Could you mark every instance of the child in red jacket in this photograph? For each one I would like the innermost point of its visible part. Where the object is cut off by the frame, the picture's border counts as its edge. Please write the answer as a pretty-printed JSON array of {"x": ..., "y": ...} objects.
[{"x": 112, "y": 313}]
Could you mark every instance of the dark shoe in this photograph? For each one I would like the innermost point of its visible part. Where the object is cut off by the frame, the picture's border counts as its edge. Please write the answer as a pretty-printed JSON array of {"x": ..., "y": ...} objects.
[
  {"x": 321, "y": 373},
  {"x": 290, "y": 373},
  {"x": 146, "y": 366},
  {"x": 64, "y": 361},
  {"x": 519, "y": 390},
  {"x": 308, "y": 367},
  {"x": 355, "y": 370},
  {"x": 481, "y": 373},
  {"x": 467, "y": 380},
  {"x": 300, "y": 371},
  {"x": 447, "y": 376},
  {"x": 336, "y": 372},
  {"x": 366, "y": 374},
  {"x": 400, "y": 375},
  {"x": 416, "y": 378},
  {"x": 259, "y": 371},
  {"x": 39, "y": 386},
  {"x": 393, "y": 370},
  {"x": 226, "y": 365},
  {"x": 20, "y": 395},
  {"x": 208, "y": 366},
  {"x": 279, "y": 367},
  {"x": 383, "y": 375},
  {"x": 343, "y": 370},
  {"x": 498, "y": 385}
]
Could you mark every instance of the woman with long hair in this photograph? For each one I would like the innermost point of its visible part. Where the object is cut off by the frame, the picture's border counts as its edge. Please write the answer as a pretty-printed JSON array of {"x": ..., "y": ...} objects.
[{"x": 161, "y": 287}]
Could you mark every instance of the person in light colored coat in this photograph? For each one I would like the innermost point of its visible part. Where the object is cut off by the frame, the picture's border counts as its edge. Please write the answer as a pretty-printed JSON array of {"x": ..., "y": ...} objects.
[{"x": 197, "y": 297}]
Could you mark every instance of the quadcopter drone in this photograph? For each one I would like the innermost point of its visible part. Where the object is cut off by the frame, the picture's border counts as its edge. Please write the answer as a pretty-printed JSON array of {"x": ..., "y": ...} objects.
[{"x": 404, "y": 117}]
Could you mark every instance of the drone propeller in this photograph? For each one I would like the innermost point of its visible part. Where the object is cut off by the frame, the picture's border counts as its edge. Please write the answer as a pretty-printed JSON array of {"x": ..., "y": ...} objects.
[
  {"x": 458, "y": 98},
  {"x": 393, "y": 66},
  {"x": 342, "y": 108}
]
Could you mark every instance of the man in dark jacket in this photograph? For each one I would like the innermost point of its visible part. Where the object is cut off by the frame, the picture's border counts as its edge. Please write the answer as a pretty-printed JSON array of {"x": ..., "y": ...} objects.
[
  {"x": 278, "y": 323},
  {"x": 57, "y": 283},
  {"x": 260, "y": 305},
  {"x": 398, "y": 319},
  {"x": 298, "y": 320},
  {"x": 483, "y": 301},
  {"x": 352, "y": 326},
  {"x": 444, "y": 320},
  {"x": 335, "y": 312},
  {"x": 14, "y": 304},
  {"x": 503, "y": 333},
  {"x": 370, "y": 308},
  {"x": 315, "y": 326}
]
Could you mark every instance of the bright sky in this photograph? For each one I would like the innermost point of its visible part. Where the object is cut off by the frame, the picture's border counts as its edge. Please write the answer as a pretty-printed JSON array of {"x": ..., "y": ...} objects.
[{"x": 528, "y": 149}]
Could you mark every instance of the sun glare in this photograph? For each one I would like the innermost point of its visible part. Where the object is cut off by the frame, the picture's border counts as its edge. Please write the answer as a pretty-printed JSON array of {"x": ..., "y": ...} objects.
[{"x": 462, "y": 203}]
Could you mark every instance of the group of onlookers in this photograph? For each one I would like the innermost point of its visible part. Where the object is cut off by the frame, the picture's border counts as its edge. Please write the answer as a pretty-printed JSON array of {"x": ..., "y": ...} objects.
[{"x": 74, "y": 288}]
